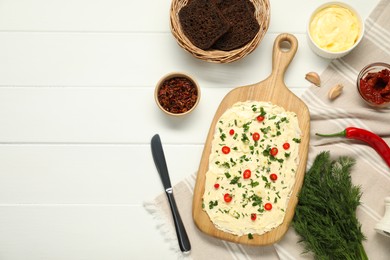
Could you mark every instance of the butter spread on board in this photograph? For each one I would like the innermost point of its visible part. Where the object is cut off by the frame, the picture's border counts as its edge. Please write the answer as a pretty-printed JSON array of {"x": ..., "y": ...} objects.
[
  {"x": 334, "y": 28},
  {"x": 252, "y": 167}
]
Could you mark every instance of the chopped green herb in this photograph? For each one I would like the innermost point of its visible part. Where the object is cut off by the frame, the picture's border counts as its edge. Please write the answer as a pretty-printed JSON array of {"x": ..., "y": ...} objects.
[
  {"x": 254, "y": 183},
  {"x": 235, "y": 180},
  {"x": 297, "y": 140},
  {"x": 262, "y": 111},
  {"x": 273, "y": 158},
  {"x": 267, "y": 182},
  {"x": 265, "y": 130},
  {"x": 232, "y": 162},
  {"x": 256, "y": 200},
  {"x": 267, "y": 150},
  {"x": 244, "y": 138},
  {"x": 246, "y": 126},
  {"x": 226, "y": 165},
  {"x": 213, "y": 204},
  {"x": 244, "y": 158}
]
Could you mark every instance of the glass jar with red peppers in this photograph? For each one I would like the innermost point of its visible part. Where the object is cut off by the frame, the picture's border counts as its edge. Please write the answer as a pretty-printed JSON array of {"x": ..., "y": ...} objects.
[{"x": 373, "y": 84}]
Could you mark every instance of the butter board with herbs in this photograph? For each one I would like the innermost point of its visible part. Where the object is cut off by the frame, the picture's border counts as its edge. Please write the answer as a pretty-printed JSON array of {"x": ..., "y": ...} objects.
[{"x": 274, "y": 91}]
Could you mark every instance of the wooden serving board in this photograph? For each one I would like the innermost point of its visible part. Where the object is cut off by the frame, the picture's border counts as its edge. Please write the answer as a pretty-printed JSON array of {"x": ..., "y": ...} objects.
[{"x": 271, "y": 89}]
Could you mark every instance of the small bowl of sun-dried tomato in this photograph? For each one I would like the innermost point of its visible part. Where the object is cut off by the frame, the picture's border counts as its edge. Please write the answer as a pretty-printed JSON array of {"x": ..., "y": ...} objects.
[
  {"x": 373, "y": 84},
  {"x": 177, "y": 94}
]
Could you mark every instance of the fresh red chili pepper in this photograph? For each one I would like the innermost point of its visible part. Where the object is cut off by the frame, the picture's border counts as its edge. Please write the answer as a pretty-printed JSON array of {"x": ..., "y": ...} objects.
[{"x": 368, "y": 137}]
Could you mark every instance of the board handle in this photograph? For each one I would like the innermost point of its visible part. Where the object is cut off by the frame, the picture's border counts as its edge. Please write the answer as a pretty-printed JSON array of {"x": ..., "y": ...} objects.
[{"x": 285, "y": 47}]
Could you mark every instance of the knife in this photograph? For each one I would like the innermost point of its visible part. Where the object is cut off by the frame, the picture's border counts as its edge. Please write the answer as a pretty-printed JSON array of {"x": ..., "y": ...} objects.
[{"x": 161, "y": 165}]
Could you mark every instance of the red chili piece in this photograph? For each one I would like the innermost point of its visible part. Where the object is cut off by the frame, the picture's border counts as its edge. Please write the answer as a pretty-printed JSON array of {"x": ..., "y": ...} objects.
[
  {"x": 274, "y": 151},
  {"x": 368, "y": 137},
  {"x": 253, "y": 216},
  {"x": 247, "y": 174},
  {"x": 268, "y": 206},
  {"x": 375, "y": 86},
  {"x": 225, "y": 149},
  {"x": 256, "y": 136},
  {"x": 273, "y": 177},
  {"x": 260, "y": 118},
  {"x": 286, "y": 146},
  {"x": 216, "y": 186},
  {"x": 227, "y": 197},
  {"x": 231, "y": 132},
  {"x": 177, "y": 95}
]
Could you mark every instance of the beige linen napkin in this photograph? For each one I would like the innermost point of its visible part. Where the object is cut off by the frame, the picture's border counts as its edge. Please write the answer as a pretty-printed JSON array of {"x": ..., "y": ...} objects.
[{"x": 370, "y": 171}]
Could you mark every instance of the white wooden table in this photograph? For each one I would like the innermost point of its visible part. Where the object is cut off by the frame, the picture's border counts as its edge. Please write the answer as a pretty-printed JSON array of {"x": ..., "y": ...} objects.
[{"x": 77, "y": 114}]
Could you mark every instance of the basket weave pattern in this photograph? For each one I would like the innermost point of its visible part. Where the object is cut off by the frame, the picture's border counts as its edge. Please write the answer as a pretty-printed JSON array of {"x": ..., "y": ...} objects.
[{"x": 262, "y": 14}]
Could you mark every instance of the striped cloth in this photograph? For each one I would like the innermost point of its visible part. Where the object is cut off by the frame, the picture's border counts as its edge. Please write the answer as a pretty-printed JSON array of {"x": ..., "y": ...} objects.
[{"x": 370, "y": 171}]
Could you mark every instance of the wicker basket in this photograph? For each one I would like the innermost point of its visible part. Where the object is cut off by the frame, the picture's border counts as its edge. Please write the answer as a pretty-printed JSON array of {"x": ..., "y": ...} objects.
[{"x": 262, "y": 15}]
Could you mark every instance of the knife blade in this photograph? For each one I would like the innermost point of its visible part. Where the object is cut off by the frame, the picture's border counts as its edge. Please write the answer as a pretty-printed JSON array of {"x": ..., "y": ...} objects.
[{"x": 161, "y": 165}]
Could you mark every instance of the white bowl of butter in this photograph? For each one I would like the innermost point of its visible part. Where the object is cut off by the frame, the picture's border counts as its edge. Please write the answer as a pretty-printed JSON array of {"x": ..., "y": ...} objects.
[{"x": 334, "y": 30}]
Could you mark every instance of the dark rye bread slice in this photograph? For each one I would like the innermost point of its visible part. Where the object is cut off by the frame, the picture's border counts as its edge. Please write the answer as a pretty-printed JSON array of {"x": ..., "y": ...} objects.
[
  {"x": 223, "y": 4},
  {"x": 244, "y": 26},
  {"x": 202, "y": 23}
]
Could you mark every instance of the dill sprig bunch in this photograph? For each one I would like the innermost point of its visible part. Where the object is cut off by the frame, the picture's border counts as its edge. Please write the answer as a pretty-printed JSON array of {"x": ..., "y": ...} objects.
[{"x": 325, "y": 216}]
